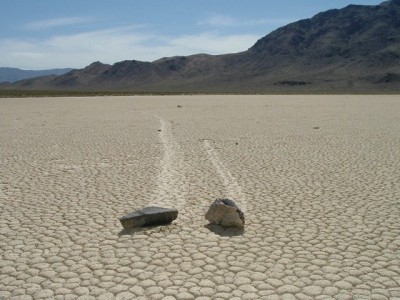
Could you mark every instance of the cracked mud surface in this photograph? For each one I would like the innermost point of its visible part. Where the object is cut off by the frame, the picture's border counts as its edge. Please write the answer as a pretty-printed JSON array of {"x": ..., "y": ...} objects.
[{"x": 318, "y": 177}]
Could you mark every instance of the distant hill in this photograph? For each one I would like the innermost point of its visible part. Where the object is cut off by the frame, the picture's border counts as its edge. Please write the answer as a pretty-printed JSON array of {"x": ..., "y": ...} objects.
[
  {"x": 354, "y": 49},
  {"x": 14, "y": 74}
]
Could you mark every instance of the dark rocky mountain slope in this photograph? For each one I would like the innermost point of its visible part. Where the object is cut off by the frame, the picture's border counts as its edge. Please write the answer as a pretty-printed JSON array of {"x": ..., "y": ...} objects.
[{"x": 354, "y": 49}]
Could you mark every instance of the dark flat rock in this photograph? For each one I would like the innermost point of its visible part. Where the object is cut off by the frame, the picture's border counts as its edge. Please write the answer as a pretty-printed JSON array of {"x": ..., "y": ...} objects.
[{"x": 149, "y": 216}]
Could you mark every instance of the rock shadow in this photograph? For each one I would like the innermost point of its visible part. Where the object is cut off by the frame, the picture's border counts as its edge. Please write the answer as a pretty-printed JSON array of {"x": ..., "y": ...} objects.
[
  {"x": 225, "y": 231},
  {"x": 152, "y": 228}
]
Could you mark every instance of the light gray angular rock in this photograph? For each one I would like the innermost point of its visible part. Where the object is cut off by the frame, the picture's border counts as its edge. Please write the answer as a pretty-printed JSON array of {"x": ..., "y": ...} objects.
[
  {"x": 148, "y": 216},
  {"x": 225, "y": 212}
]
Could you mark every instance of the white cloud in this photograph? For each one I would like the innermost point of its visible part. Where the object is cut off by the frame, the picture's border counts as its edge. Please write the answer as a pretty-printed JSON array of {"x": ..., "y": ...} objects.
[
  {"x": 50, "y": 23},
  {"x": 113, "y": 45},
  {"x": 219, "y": 20}
]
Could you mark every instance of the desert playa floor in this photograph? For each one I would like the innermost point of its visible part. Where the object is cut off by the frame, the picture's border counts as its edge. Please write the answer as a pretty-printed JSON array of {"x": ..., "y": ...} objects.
[{"x": 317, "y": 177}]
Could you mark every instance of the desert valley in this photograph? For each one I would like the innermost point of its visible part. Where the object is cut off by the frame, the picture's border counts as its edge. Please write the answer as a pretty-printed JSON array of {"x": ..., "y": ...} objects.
[{"x": 301, "y": 131}]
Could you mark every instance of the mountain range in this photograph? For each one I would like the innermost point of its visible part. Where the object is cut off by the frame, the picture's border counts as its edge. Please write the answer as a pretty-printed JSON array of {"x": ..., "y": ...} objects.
[
  {"x": 15, "y": 74},
  {"x": 353, "y": 49}
]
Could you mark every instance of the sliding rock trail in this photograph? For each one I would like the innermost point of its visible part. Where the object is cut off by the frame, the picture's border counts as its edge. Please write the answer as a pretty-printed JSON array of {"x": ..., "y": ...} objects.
[
  {"x": 171, "y": 190},
  {"x": 233, "y": 189}
]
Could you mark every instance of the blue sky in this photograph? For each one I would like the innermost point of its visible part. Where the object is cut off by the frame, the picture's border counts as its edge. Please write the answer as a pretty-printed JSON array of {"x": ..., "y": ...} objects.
[{"x": 43, "y": 34}]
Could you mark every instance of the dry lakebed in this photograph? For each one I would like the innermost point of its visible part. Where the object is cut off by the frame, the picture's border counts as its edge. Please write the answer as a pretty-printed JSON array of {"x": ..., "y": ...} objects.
[{"x": 317, "y": 177}]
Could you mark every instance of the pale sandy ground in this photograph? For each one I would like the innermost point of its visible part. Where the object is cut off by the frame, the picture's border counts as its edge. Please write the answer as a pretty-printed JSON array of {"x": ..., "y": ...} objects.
[{"x": 322, "y": 205}]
